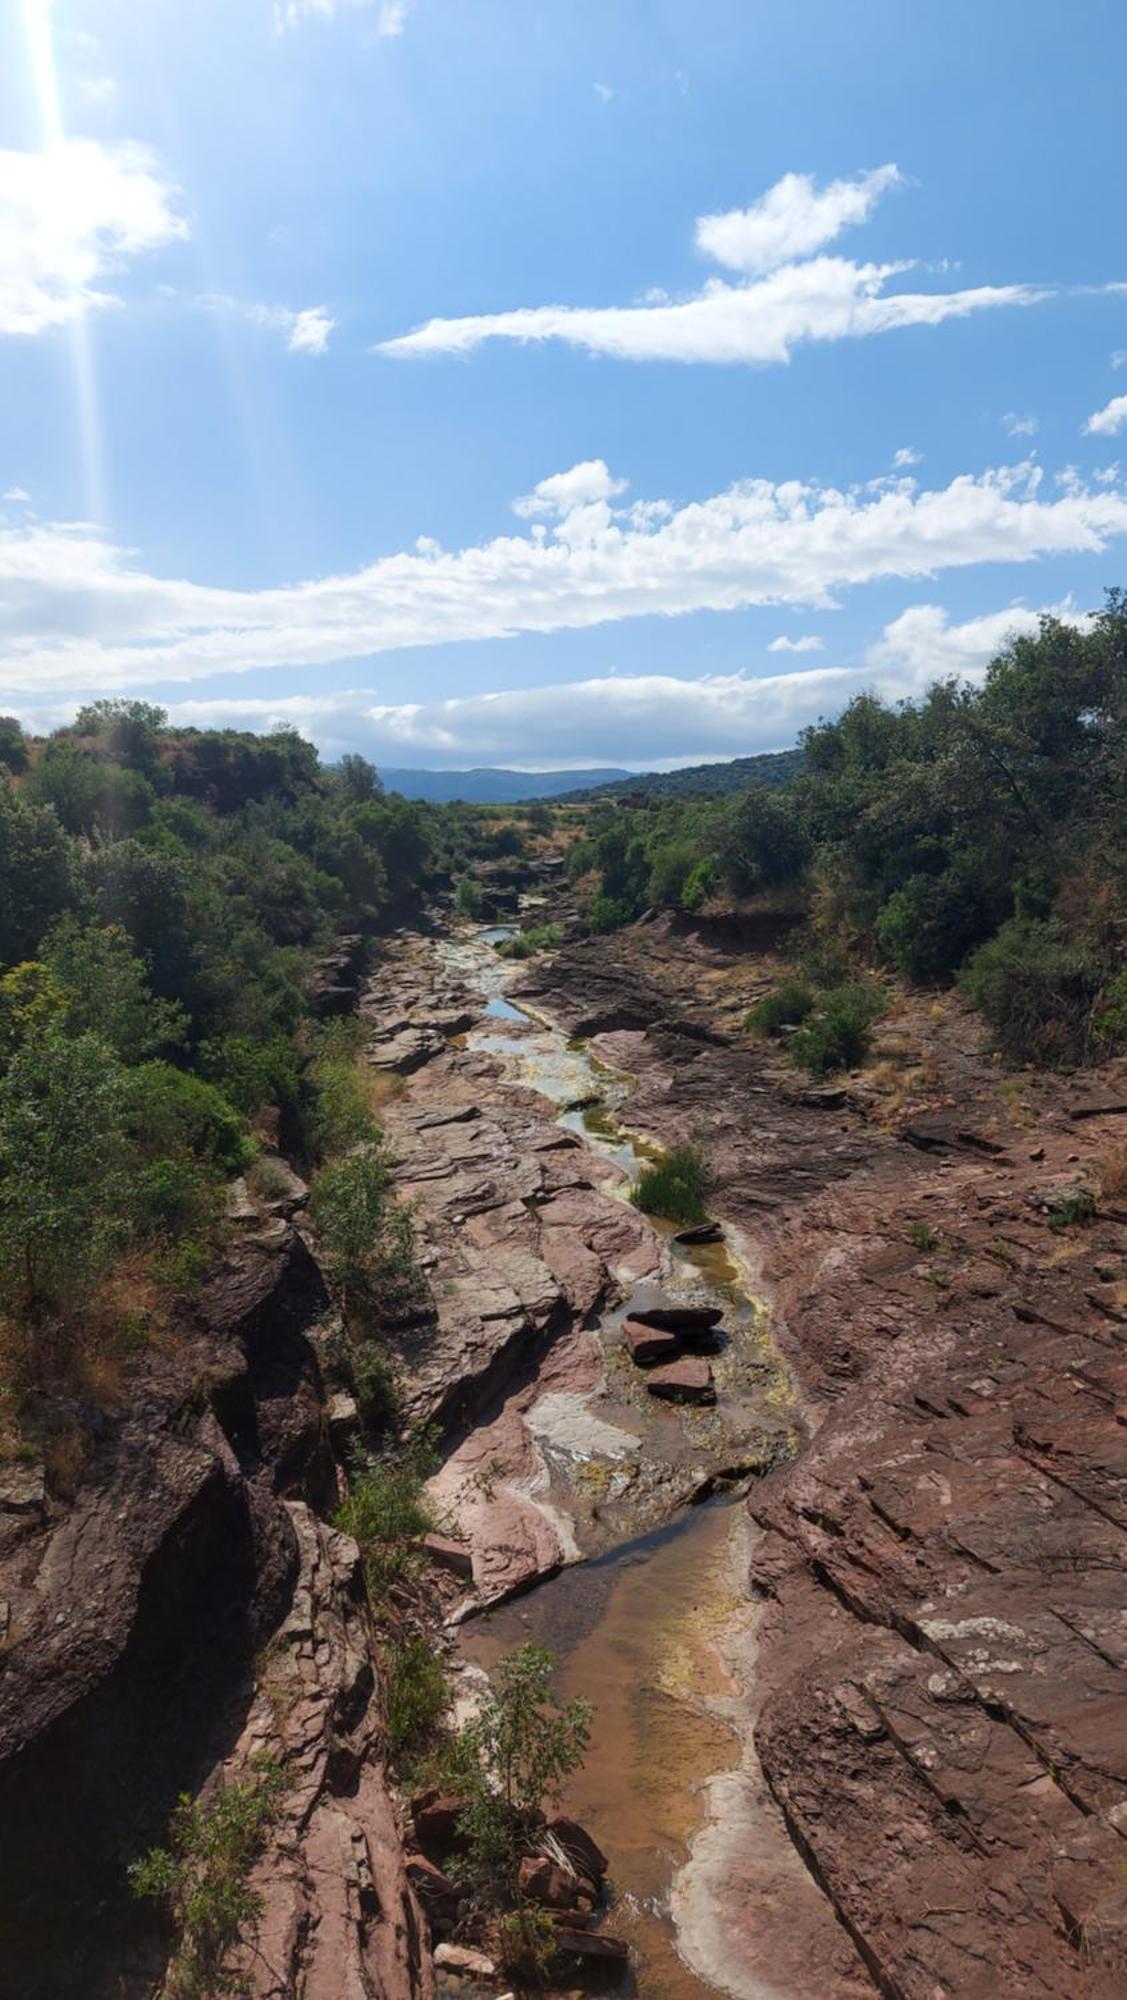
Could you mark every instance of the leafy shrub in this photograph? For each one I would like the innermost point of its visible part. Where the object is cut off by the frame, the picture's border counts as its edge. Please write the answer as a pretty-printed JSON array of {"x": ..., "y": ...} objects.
[
  {"x": 786, "y": 1006},
  {"x": 927, "y": 927},
  {"x": 416, "y": 1695},
  {"x": 525, "y": 944},
  {"x": 202, "y": 1878},
  {"x": 106, "y": 989},
  {"x": 608, "y": 913},
  {"x": 1077, "y": 1206},
  {"x": 251, "y": 1072},
  {"x": 339, "y": 1114},
  {"x": 171, "y": 1112},
  {"x": 366, "y": 1238},
  {"x": 469, "y": 898},
  {"x": 377, "y": 1396},
  {"x": 387, "y": 1514},
  {"x": 1038, "y": 989},
  {"x": 836, "y": 1035},
  {"x": 674, "y": 1187}
]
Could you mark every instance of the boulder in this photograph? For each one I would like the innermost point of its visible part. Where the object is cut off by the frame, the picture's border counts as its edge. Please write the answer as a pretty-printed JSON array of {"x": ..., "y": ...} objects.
[
  {"x": 592, "y": 1944},
  {"x": 585, "y": 1854},
  {"x": 648, "y": 1344},
  {"x": 446, "y": 1553},
  {"x": 544, "y": 1881},
  {"x": 655, "y": 1308},
  {"x": 700, "y": 1232},
  {"x": 686, "y": 1381},
  {"x": 434, "y": 1815},
  {"x": 463, "y": 1959},
  {"x": 435, "y": 1890}
]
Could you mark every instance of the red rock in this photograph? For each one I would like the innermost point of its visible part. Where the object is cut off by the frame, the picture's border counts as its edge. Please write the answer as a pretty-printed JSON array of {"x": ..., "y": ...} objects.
[
  {"x": 585, "y": 1854},
  {"x": 686, "y": 1381},
  {"x": 448, "y": 1554},
  {"x": 650, "y": 1343},
  {"x": 434, "y": 1815},
  {"x": 656, "y": 1308},
  {"x": 435, "y": 1889},
  {"x": 592, "y": 1944},
  {"x": 545, "y": 1882}
]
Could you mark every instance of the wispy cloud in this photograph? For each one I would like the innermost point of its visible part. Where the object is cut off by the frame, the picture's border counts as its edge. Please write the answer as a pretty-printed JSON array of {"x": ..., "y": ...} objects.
[
  {"x": 792, "y": 220},
  {"x": 808, "y": 643},
  {"x": 640, "y": 719},
  {"x": 1017, "y": 426},
  {"x": 76, "y": 611},
  {"x": 904, "y": 458},
  {"x": 304, "y": 332},
  {"x": 71, "y": 216},
  {"x": 1109, "y": 421},
  {"x": 391, "y": 15},
  {"x": 789, "y": 295}
]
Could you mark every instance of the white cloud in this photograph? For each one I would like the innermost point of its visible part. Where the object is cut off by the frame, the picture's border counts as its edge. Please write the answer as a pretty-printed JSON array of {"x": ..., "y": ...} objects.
[
  {"x": 310, "y": 331},
  {"x": 304, "y": 332},
  {"x": 70, "y": 216},
  {"x": 18, "y": 495},
  {"x": 583, "y": 486},
  {"x": 792, "y": 220},
  {"x": 808, "y": 643},
  {"x": 392, "y": 17},
  {"x": 1018, "y": 426},
  {"x": 1119, "y": 357},
  {"x": 77, "y": 612},
  {"x": 922, "y": 645},
  {"x": 603, "y": 90},
  {"x": 777, "y": 307},
  {"x": 1108, "y": 421},
  {"x": 906, "y": 456}
]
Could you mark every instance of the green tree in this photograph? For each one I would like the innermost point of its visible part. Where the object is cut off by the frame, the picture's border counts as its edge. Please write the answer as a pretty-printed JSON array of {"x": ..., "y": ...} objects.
[
  {"x": 106, "y": 990},
  {"x": 37, "y": 873},
  {"x": 64, "y": 1169}
]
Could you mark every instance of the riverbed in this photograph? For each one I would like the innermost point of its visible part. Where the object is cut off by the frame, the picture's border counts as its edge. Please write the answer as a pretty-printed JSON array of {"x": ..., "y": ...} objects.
[{"x": 649, "y": 1628}]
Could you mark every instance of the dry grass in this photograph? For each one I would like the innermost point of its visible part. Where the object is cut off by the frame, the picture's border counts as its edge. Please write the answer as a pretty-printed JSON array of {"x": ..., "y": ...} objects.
[
  {"x": 383, "y": 1086},
  {"x": 1112, "y": 1174}
]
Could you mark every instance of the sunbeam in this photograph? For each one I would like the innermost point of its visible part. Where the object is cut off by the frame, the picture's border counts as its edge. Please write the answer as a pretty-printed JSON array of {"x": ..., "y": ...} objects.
[{"x": 39, "y": 38}]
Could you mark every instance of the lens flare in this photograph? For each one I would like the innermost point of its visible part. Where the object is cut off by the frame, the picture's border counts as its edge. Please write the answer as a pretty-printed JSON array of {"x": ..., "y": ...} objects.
[{"x": 40, "y": 43}]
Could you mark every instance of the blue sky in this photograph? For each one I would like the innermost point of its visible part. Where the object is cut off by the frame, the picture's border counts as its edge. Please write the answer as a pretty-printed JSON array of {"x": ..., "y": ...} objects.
[{"x": 501, "y": 381}]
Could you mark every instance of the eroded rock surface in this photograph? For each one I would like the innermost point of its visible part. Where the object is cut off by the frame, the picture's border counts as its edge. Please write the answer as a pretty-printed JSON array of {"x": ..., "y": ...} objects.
[{"x": 942, "y": 1568}]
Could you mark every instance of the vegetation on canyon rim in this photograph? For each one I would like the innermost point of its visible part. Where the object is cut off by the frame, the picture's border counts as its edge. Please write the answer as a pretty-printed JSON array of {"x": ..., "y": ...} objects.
[{"x": 975, "y": 835}]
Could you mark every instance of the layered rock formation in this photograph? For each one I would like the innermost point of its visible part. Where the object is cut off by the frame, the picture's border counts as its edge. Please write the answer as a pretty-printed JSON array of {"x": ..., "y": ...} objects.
[
  {"x": 942, "y": 1568},
  {"x": 138, "y": 1620}
]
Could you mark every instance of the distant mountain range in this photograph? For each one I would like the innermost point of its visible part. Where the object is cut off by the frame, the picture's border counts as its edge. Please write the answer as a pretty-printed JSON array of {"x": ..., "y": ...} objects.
[
  {"x": 774, "y": 767},
  {"x": 487, "y": 786},
  {"x": 490, "y": 786}
]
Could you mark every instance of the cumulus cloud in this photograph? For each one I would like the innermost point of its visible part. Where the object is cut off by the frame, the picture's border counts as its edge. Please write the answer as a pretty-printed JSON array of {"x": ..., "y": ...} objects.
[
  {"x": 18, "y": 495},
  {"x": 72, "y": 215},
  {"x": 922, "y": 645},
  {"x": 1018, "y": 426},
  {"x": 644, "y": 720},
  {"x": 585, "y": 484},
  {"x": 1109, "y": 421},
  {"x": 304, "y": 332},
  {"x": 793, "y": 219},
  {"x": 808, "y": 643},
  {"x": 788, "y": 295},
  {"x": 906, "y": 456},
  {"x": 78, "y": 612}
]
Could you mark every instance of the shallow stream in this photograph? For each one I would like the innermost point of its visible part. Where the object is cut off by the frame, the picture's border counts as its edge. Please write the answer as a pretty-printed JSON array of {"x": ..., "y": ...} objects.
[{"x": 636, "y": 1629}]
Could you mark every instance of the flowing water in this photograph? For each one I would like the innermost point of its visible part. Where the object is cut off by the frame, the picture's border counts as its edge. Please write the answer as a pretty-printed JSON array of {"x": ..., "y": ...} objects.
[{"x": 636, "y": 1628}]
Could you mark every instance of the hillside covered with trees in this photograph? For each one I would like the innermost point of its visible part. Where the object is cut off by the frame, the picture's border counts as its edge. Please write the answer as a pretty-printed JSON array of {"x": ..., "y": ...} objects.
[{"x": 978, "y": 834}]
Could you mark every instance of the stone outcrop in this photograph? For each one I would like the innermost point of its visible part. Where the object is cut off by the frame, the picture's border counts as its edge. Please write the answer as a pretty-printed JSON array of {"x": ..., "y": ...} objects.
[
  {"x": 942, "y": 1567},
  {"x": 137, "y": 1618}
]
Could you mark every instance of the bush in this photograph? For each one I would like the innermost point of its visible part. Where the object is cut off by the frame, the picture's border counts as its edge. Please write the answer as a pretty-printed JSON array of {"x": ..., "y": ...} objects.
[
  {"x": 339, "y": 1114},
  {"x": 106, "y": 989},
  {"x": 202, "y": 1878},
  {"x": 469, "y": 898},
  {"x": 366, "y": 1238},
  {"x": 786, "y": 1006},
  {"x": 416, "y": 1696},
  {"x": 1038, "y": 989},
  {"x": 608, "y": 913},
  {"x": 387, "y": 1515},
  {"x": 674, "y": 1187},
  {"x": 541, "y": 937},
  {"x": 836, "y": 1036},
  {"x": 170, "y": 1112},
  {"x": 373, "y": 1378}
]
